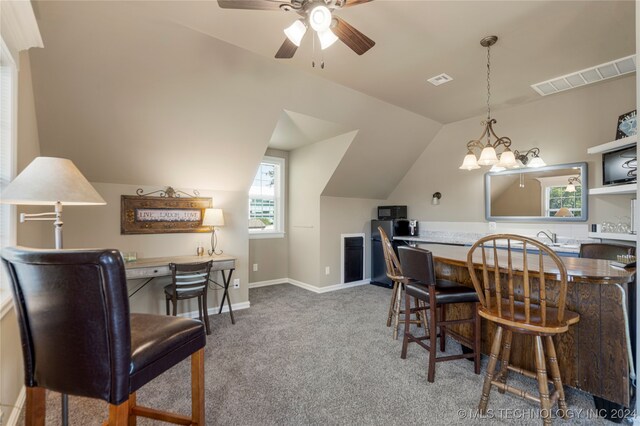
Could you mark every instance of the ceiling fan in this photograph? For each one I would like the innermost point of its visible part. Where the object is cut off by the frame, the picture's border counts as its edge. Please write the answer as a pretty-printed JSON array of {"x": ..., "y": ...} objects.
[{"x": 316, "y": 14}]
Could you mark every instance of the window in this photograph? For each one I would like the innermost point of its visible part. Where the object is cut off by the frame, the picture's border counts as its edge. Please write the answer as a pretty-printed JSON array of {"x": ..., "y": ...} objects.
[
  {"x": 557, "y": 197},
  {"x": 266, "y": 199},
  {"x": 8, "y": 120}
]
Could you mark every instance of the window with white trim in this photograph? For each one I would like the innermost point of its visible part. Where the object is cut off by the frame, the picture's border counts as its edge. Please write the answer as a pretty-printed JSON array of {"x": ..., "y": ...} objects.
[
  {"x": 266, "y": 199},
  {"x": 8, "y": 126},
  {"x": 557, "y": 197}
]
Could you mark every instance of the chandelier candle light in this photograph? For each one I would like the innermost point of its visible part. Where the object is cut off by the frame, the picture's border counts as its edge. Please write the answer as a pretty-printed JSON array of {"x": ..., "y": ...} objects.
[{"x": 488, "y": 155}]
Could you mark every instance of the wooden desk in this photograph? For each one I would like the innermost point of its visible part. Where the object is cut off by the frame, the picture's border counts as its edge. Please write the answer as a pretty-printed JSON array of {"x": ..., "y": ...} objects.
[
  {"x": 593, "y": 354},
  {"x": 154, "y": 267}
]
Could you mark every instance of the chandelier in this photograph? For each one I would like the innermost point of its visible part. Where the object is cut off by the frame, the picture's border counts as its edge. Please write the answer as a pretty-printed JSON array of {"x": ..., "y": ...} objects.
[{"x": 488, "y": 151}]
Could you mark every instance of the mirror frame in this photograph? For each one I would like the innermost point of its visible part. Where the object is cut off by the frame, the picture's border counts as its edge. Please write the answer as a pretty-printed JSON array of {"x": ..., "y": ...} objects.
[{"x": 585, "y": 192}]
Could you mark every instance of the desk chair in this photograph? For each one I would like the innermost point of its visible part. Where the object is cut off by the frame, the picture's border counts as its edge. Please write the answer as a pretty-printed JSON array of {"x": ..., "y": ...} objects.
[
  {"x": 605, "y": 251},
  {"x": 436, "y": 294},
  {"x": 394, "y": 273},
  {"x": 78, "y": 337},
  {"x": 516, "y": 300},
  {"x": 190, "y": 280}
]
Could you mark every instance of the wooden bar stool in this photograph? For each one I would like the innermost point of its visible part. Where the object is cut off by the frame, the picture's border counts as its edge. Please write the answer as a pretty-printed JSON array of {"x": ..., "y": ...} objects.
[
  {"x": 517, "y": 300},
  {"x": 394, "y": 272},
  {"x": 436, "y": 293}
]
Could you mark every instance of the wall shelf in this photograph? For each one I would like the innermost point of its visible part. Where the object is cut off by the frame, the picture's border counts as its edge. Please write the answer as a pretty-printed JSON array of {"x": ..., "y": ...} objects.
[
  {"x": 613, "y": 236},
  {"x": 613, "y": 145},
  {"x": 630, "y": 188}
]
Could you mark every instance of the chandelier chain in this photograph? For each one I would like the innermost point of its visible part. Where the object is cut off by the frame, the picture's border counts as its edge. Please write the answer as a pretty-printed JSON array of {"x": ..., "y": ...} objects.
[{"x": 488, "y": 82}]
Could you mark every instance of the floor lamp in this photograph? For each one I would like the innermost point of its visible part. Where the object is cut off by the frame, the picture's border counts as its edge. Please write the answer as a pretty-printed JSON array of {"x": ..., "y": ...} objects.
[{"x": 50, "y": 181}]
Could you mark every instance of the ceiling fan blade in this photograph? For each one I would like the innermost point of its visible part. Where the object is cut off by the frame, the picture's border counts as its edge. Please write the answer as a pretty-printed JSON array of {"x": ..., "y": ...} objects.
[
  {"x": 252, "y": 4},
  {"x": 353, "y": 38},
  {"x": 348, "y": 3},
  {"x": 287, "y": 50}
]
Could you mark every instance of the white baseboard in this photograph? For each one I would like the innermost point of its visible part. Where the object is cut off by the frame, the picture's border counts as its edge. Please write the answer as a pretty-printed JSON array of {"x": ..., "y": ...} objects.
[
  {"x": 214, "y": 311},
  {"x": 268, "y": 283},
  {"x": 309, "y": 287},
  {"x": 17, "y": 408}
]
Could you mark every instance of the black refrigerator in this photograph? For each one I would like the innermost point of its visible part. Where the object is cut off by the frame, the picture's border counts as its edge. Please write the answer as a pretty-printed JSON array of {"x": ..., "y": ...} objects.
[{"x": 393, "y": 228}]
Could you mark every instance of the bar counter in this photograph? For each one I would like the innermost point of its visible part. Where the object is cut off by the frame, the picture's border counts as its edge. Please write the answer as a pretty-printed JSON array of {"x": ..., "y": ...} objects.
[{"x": 593, "y": 354}]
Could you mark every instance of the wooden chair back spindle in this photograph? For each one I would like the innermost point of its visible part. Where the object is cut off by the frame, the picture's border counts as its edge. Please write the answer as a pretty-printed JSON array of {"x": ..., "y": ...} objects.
[
  {"x": 520, "y": 294},
  {"x": 394, "y": 270}
]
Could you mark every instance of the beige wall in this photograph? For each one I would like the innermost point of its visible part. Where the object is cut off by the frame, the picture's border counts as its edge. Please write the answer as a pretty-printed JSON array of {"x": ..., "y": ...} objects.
[
  {"x": 343, "y": 216},
  {"x": 310, "y": 168},
  {"x": 99, "y": 226},
  {"x": 517, "y": 201},
  {"x": 33, "y": 234},
  {"x": 563, "y": 126}
]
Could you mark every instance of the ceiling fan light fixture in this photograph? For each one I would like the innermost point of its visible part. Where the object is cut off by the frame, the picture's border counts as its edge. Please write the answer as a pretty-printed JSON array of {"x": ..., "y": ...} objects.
[
  {"x": 327, "y": 38},
  {"x": 296, "y": 31},
  {"x": 320, "y": 18}
]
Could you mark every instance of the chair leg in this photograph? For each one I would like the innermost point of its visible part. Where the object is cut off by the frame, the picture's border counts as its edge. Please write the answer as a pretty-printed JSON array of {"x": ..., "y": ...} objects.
[
  {"x": 174, "y": 303},
  {"x": 555, "y": 375},
  {"x": 205, "y": 312},
  {"x": 433, "y": 338},
  {"x": 396, "y": 313},
  {"x": 200, "y": 309},
  {"x": 477, "y": 339},
  {"x": 166, "y": 299},
  {"x": 493, "y": 360},
  {"x": 443, "y": 329},
  {"x": 416, "y": 303},
  {"x": 393, "y": 303},
  {"x": 424, "y": 316},
  {"x": 197, "y": 388},
  {"x": 543, "y": 385},
  {"x": 504, "y": 359},
  {"x": 133, "y": 420},
  {"x": 119, "y": 414},
  {"x": 35, "y": 410},
  {"x": 407, "y": 323}
]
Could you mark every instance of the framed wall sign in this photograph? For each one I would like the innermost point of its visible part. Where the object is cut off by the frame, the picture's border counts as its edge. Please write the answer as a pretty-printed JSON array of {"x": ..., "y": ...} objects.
[{"x": 166, "y": 213}]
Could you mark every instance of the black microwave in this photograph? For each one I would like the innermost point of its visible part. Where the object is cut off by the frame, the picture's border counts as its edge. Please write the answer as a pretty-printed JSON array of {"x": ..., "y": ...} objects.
[{"x": 392, "y": 212}]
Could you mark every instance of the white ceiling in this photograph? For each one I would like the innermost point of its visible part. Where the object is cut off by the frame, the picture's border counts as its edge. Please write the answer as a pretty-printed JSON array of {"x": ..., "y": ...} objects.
[
  {"x": 418, "y": 39},
  {"x": 295, "y": 130}
]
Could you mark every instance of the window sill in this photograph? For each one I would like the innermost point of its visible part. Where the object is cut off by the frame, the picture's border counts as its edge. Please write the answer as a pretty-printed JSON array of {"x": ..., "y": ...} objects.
[{"x": 265, "y": 235}]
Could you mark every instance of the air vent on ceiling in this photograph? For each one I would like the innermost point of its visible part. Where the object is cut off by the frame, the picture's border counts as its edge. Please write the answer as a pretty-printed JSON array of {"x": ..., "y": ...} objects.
[
  {"x": 440, "y": 79},
  {"x": 587, "y": 76}
]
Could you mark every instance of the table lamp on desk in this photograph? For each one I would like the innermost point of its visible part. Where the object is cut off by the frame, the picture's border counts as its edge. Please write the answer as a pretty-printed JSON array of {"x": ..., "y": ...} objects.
[
  {"x": 49, "y": 181},
  {"x": 213, "y": 218}
]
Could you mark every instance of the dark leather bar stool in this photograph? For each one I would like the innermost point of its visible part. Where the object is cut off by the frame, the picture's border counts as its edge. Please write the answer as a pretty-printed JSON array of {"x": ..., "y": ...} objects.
[
  {"x": 189, "y": 280},
  {"x": 418, "y": 266},
  {"x": 605, "y": 251},
  {"x": 78, "y": 337}
]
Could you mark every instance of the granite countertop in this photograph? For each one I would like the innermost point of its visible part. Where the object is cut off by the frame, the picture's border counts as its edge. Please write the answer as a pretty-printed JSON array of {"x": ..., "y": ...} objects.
[{"x": 565, "y": 245}]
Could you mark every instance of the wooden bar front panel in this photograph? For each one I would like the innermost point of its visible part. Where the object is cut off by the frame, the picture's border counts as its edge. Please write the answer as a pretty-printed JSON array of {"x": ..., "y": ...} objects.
[{"x": 592, "y": 355}]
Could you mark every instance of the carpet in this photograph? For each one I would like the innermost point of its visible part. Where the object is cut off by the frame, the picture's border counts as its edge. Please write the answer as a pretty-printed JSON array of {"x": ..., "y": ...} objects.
[{"x": 300, "y": 358}]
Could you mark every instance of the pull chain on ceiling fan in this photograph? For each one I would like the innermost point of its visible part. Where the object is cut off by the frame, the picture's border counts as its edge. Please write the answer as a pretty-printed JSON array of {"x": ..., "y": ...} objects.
[{"x": 314, "y": 13}]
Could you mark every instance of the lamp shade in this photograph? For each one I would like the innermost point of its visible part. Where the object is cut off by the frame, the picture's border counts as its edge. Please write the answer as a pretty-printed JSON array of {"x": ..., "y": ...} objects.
[
  {"x": 213, "y": 217},
  {"x": 295, "y": 32},
  {"x": 470, "y": 162},
  {"x": 49, "y": 180},
  {"x": 320, "y": 18},
  {"x": 570, "y": 188},
  {"x": 536, "y": 162},
  {"x": 507, "y": 159},
  {"x": 488, "y": 157},
  {"x": 327, "y": 38},
  {"x": 563, "y": 212}
]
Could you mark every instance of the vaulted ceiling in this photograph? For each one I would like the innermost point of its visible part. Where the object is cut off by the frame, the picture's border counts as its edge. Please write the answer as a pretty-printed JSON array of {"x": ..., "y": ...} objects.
[{"x": 183, "y": 92}]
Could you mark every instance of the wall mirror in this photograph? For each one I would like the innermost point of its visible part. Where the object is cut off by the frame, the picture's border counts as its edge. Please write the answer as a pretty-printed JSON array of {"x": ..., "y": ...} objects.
[{"x": 546, "y": 194}]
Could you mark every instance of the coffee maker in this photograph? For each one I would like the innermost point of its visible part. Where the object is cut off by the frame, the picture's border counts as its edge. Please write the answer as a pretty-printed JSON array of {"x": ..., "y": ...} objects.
[{"x": 413, "y": 228}]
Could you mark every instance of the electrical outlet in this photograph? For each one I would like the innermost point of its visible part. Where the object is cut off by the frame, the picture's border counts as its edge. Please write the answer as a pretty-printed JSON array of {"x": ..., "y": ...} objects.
[
  {"x": 255, "y": 267},
  {"x": 327, "y": 270},
  {"x": 236, "y": 283}
]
